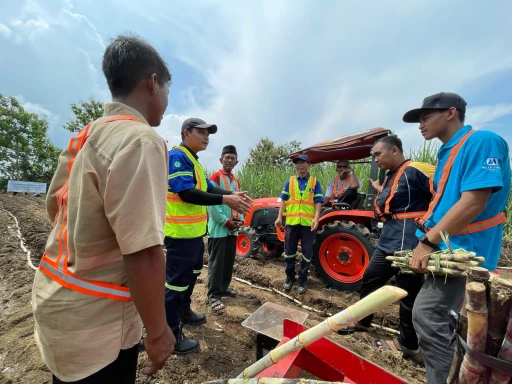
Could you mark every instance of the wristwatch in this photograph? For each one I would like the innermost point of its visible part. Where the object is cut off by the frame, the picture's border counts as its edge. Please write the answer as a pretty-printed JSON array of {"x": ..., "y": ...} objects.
[
  {"x": 424, "y": 240},
  {"x": 351, "y": 173}
]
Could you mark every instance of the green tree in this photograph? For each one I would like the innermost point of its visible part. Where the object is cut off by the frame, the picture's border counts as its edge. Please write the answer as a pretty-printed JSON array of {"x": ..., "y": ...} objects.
[
  {"x": 267, "y": 153},
  {"x": 26, "y": 152},
  {"x": 85, "y": 112}
]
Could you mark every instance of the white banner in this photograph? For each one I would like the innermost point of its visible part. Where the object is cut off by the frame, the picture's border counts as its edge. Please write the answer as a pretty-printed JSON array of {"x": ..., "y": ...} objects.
[{"x": 26, "y": 186}]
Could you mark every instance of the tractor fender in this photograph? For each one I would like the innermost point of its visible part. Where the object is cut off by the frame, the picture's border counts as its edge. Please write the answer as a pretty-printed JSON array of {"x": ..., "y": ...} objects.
[{"x": 358, "y": 217}]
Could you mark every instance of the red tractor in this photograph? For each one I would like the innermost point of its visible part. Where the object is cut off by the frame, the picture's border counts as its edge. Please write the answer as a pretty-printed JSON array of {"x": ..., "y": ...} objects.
[{"x": 347, "y": 234}]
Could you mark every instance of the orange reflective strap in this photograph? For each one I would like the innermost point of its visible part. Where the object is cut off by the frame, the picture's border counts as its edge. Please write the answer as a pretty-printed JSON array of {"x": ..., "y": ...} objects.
[
  {"x": 58, "y": 270},
  {"x": 407, "y": 215},
  {"x": 194, "y": 219},
  {"x": 392, "y": 190},
  {"x": 444, "y": 177},
  {"x": 334, "y": 190},
  {"x": 174, "y": 198},
  {"x": 300, "y": 214},
  {"x": 500, "y": 218}
]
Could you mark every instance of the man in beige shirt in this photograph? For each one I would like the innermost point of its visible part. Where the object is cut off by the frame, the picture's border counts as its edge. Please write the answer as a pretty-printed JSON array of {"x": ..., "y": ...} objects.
[{"x": 104, "y": 264}]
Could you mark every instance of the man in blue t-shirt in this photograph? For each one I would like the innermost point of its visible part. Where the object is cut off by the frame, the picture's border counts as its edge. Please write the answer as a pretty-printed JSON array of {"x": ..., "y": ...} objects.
[{"x": 470, "y": 198}]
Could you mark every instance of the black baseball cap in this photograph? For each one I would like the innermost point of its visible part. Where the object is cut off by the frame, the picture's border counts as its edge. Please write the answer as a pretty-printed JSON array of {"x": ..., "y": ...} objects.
[
  {"x": 229, "y": 149},
  {"x": 301, "y": 157},
  {"x": 195, "y": 122},
  {"x": 438, "y": 102}
]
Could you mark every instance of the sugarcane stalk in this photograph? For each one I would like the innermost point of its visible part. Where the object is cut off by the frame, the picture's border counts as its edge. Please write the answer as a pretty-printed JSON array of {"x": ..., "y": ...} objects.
[
  {"x": 476, "y": 307},
  {"x": 498, "y": 377},
  {"x": 271, "y": 380},
  {"x": 370, "y": 304},
  {"x": 500, "y": 305},
  {"x": 462, "y": 266}
]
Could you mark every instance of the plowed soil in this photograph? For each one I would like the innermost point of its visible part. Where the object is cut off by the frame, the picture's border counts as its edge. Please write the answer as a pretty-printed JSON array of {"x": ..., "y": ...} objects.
[{"x": 226, "y": 346}]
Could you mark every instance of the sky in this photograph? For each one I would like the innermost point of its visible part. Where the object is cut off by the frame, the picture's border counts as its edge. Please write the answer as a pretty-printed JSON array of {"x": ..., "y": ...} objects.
[{"x": 285, "y": 69}]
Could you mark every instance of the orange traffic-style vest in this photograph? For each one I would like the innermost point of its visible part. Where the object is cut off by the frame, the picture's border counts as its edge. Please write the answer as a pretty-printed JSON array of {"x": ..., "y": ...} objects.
[
  {"x": 58, "y": 270},
  {"x": 334, "y": 191},
  {"x": 226, "y": 183},
  {"x": 473, "y": 227},
  {"x": 386, "y": 213}
]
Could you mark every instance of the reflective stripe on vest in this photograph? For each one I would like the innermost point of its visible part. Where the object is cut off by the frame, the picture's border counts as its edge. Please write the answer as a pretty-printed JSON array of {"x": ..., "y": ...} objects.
[
  {"x": 387, "y": 210},
  {"x": 334, "y": 191},
  {"x": 227, "y": 186},
  {"x": 473, "y": 227},
  {"x": 300, "y": 207},
  {"x": 58, "y": 270},
  {"x": 184, "y": 220}
]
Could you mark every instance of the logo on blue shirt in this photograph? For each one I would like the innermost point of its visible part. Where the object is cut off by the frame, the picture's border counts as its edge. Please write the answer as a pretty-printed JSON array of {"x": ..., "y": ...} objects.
[{"x": 492, "y": 161}]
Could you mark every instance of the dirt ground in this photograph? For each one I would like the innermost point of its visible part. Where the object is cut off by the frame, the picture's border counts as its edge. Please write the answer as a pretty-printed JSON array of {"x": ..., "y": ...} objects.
[{"x": 226, "y": 346}]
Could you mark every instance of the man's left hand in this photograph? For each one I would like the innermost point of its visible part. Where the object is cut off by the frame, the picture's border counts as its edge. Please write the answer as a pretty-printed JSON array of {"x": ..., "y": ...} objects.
[
  {"x": 314, "y": 224},
  {"x": 244, "y": 196},
  {"x": 420, "y": 257}
]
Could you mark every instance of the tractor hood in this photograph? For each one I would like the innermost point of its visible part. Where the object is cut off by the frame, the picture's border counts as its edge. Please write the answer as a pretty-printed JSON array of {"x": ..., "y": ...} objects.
[{"x": 351, "y": 147}]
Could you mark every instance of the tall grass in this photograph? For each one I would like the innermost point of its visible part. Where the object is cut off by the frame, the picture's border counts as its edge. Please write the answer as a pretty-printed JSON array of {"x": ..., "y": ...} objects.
[{"x": 263, "y": 181}]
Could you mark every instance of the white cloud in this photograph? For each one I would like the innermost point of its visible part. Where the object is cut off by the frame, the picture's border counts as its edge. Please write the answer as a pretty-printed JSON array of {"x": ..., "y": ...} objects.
[
  {"x": 34, "y": 108},
  {"x": 5, "y": 31},
  {"x": 481, "y": 116}
]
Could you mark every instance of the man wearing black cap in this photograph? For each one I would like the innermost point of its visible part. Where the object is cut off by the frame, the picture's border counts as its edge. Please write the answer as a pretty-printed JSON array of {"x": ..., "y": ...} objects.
[
  {"x": 189, "y": 193},
  {"x": 302, "y": 198},
  {"x": 472, "y": 185},
  {"x": 223, "y": 223}
]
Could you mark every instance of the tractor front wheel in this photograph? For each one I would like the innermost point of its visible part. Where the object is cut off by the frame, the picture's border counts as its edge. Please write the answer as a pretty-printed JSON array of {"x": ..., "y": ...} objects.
[
  {"x": 342, "y": 251},
  {"x": 247, "y": 242}
]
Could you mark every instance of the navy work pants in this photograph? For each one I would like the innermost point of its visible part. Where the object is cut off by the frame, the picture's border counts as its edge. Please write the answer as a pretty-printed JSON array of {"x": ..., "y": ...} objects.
[
  {"x": 184, "y": 261},
  {"x": 376, "y": 275},
  {"x": 293, "y": 235}
]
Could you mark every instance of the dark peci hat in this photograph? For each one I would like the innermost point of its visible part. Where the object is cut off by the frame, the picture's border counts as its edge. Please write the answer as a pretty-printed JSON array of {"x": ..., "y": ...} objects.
[
  {"x": 229, "y": 149},
  {"x": 195, "y": 122},
  {"x": 439, "y": 101}
]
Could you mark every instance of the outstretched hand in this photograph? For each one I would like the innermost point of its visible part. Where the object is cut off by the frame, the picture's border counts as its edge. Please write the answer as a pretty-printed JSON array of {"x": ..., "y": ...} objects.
[{"x": 376, "y": 185}]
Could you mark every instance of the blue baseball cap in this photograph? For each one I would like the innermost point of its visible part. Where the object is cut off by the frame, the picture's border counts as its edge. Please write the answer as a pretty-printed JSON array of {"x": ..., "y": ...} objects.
[{"x": 302, "y": 157}]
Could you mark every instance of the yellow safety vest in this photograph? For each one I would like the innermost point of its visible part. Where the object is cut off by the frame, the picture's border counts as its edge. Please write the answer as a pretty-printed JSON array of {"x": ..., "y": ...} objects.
[
  {"x": 300, "y": 208},
  {"x": 185, "y": 220}
]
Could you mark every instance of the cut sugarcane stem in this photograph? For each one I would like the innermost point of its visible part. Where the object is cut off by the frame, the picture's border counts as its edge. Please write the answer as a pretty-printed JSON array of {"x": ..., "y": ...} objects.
[
  {"x": 476, "y": 307},
  {"x": 370, "y": 304},
  {"x": 270, "y": 380},
  {"x": 500, "y": 304},
  {"x": 505, "y": 353}
]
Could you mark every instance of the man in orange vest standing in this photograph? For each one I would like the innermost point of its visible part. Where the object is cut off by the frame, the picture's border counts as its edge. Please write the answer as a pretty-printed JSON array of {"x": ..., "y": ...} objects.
[
  {"x": 103, "y": 270},
  {"x": 345, "y": 181},
  {"x": 404, "y": 196},
  {"x": 189, "y": 192},
  {"x": 472, "y": 185},
  {"x": 302, "y": 198},
  {"x": 223, "y": 224}
]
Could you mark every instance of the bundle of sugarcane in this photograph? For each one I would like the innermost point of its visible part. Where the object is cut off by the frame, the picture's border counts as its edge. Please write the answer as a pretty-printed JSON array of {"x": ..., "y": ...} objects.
[
  {"x": 447, "y": 262},
  {"x": 486, "y": 326}
]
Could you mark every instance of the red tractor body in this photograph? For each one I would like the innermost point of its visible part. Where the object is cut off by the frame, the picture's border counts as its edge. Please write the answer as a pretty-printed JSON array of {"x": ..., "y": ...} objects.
[{"x": 347, "y": 234}]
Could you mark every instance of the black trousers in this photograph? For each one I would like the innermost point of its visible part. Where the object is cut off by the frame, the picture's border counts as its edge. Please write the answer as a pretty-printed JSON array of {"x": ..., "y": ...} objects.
[
  {"x": 184, "y": 261},
  {"x": 376, "y": 275},
  {"x": 221, "y": 258},
  {"x": 123, "y": 370},
  {"x": 306, "y": 237}
]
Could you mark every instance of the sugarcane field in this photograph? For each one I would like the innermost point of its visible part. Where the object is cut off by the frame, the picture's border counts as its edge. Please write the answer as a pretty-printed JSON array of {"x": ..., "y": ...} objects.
[{"x": 227, "y": 348}]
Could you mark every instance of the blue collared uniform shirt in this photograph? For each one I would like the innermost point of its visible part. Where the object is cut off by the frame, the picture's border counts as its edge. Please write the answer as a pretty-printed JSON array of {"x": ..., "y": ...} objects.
[{"x": 482, "y": 162}]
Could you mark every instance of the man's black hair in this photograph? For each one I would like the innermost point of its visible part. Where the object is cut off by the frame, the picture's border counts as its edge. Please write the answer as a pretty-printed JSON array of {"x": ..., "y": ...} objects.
[
  {"x": 391, "y": 141},
  {"x": 462, "y": 116},
  {"x": 129, "y": 59}
]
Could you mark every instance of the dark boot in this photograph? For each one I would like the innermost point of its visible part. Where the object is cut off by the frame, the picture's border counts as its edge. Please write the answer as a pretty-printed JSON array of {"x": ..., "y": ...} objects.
[
  {"x": 303, "y": 286},
  {"x": 185, "y": 345},
  {"x": 192, "y": 318},
  {"x": 288, "y": 283}
]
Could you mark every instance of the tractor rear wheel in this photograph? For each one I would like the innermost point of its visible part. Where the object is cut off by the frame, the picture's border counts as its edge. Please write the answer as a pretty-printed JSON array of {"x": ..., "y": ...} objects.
[
  {"x": 342, "y": 251},
  {"x": 247, "y": 242},
  {"x": 270, "y": 250}
]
